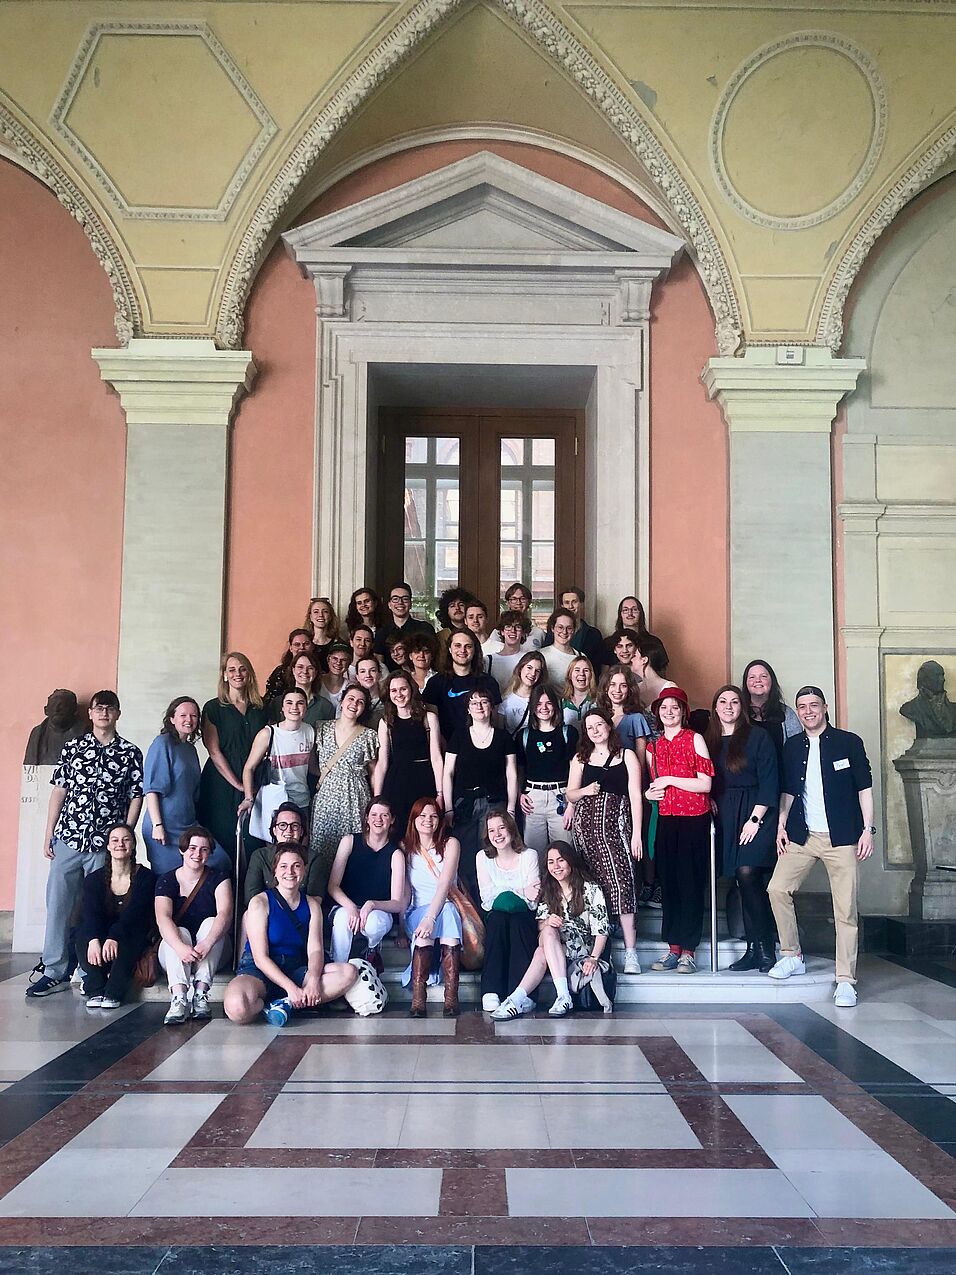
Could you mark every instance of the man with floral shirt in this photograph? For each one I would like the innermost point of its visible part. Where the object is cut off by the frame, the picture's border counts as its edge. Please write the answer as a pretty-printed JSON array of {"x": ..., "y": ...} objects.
[{"x": 97, "y": 783}]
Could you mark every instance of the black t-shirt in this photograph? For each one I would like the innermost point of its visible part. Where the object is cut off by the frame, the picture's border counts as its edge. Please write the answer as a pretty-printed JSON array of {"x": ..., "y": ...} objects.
[
  {"x": 546, "y": 755},
  {"x": 203, "y": 905},
  {"x": 449, "y": 693},
  {"x": 391, "y": 629},
  {"x": 481, "y": 768}
]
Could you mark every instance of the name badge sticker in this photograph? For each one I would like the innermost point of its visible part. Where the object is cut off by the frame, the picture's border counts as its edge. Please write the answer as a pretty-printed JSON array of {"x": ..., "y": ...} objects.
[{"x": 842, "y": 764}]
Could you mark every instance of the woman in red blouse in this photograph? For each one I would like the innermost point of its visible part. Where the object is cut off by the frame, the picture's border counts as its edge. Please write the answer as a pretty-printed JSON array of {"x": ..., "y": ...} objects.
[{"x": 681, "y": 772}]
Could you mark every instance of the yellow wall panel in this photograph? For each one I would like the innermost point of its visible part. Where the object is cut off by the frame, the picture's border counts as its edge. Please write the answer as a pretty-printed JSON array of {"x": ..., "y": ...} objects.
[{"x": 172, "y": 293}]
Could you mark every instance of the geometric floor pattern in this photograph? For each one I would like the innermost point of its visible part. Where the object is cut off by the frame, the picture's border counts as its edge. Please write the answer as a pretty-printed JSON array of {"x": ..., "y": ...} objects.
[{"x": 684, "y": 1138}]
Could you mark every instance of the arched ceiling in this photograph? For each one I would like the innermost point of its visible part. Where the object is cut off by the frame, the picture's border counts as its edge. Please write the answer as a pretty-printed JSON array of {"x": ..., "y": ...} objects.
[{"x": 779, "y": 142}]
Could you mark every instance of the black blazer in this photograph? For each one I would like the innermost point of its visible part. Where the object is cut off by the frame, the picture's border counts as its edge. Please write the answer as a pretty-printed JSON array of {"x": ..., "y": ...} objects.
[{"x": 846, "y": 773}]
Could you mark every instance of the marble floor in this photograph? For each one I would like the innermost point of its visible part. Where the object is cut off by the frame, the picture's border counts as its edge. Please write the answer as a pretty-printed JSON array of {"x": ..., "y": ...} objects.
[{"x": 686, "y": 1138}]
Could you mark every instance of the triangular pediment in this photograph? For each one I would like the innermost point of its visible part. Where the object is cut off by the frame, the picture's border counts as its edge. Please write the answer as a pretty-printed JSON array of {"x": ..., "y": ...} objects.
[{"x": 483, "y": 204}]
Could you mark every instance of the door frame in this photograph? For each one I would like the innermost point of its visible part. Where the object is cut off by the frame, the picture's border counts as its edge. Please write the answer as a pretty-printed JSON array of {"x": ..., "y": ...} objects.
[{"x": 479, "y": 564}]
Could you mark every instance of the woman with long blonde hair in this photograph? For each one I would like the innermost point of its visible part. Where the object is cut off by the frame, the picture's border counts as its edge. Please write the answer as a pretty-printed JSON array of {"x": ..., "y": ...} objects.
[{"x": 230, "y": 723}]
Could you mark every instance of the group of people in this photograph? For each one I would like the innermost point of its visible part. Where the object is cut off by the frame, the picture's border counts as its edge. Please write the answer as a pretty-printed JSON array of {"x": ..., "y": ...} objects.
[{"x": 508, "y": 794}]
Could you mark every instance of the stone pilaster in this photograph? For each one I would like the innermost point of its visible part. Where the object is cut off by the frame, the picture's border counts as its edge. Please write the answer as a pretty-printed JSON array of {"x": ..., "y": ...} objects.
[
  {"x": 178, "y": 396},
  {"x": 779, "y": 416}
]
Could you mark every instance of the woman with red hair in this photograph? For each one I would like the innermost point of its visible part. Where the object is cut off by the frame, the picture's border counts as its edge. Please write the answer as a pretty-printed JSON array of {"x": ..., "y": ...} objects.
[{"x": 431, "y": 857}]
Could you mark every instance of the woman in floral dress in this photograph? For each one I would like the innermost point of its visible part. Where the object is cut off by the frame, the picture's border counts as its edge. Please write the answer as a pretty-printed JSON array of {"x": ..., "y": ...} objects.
[
  {"x": 574, "y": 929},
  {"x": 346, "y": 750}
]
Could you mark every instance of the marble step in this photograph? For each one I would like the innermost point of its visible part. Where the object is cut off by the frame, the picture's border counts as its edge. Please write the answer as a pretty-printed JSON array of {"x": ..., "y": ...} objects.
[{"x": 649, "y": 987}]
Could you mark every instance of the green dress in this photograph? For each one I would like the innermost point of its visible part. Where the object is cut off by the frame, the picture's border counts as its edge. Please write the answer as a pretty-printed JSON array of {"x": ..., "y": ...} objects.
[{"x": 218, "y": 800}]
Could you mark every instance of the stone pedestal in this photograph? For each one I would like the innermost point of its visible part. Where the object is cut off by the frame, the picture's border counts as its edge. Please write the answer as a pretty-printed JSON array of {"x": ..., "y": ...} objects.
[
  {"x": 29, "y": 910},
  {"x": 928, "y": 771}
]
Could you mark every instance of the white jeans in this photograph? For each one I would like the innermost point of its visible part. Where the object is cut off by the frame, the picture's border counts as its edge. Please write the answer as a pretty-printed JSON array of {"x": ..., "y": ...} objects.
[
  {"x": 181, "y": 972},
  {"x": 376, "y": 927}
]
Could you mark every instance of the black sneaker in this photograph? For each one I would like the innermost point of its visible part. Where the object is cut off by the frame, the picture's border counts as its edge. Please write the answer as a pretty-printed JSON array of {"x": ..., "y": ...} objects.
[
  {"x": 46, "y": 986},
  {"x": 655, "y": 901},
  {"x": 644, "y": 898}
]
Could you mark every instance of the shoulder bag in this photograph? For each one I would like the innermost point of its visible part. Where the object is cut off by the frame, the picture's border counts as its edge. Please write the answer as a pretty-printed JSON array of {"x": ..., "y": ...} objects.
[
  {"x": 472, "y": 926},
  {"x": 269, "y": 797},
  {"x": 146, "y": 969}
]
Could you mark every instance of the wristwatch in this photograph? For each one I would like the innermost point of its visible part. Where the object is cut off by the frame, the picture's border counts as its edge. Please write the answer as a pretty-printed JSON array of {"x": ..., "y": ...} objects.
[
  {"x": 755, "y": 819},
  {"x": 871, "y": 829}
]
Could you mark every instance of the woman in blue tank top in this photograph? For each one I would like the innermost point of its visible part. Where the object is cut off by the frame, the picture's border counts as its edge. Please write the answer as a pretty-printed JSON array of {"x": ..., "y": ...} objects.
[{"x": 283, "y": 967}]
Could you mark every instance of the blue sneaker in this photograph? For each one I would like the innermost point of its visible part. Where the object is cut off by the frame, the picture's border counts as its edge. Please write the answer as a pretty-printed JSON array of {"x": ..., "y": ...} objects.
[
  {"x": 46, "y": 986},
  {"x": 277, "y": 1013},
  {"x": 667, "y": 962}
]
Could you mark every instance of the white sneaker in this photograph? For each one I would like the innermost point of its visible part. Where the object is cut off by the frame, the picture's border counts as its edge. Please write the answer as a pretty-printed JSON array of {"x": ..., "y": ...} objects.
[
  {"x": 490, "y": 1002},
  {"x": 512, "y": 1007},
  {"x": 631, "y": 964},
  {"x": 562, "y": 1006},
  {"x": 178, "y": 1011},
  {"x": 845, "y": 995},
  {"x": 786, "y": 966}
]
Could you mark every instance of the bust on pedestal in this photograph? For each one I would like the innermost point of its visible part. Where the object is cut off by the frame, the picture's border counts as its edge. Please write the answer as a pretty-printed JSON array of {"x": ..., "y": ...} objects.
[{"x": 928, "y": 771}]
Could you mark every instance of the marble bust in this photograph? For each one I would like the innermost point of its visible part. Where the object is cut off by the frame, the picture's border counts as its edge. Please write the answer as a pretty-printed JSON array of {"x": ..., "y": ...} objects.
[
  {"x": 932, "y": 711},
  {"x": 62, "y": 722}
]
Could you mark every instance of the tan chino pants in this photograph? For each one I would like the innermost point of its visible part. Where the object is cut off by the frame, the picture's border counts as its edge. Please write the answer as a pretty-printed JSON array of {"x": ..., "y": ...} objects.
[{"x": 788, "y": 876}]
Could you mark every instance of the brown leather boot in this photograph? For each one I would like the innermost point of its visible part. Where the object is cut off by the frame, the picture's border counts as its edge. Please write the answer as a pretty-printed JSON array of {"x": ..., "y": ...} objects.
[
  {"x": 450, "y": 965},
  {"x": 421, "y": 966}
]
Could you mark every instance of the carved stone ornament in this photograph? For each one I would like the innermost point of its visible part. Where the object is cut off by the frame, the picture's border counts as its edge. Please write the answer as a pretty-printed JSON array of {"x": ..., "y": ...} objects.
[
  {"x": 551, "y": 35},
  {"x": 220, "y": 58},
  {"x": 36, "y": 159},
  {"x": 799, "y": 40}
]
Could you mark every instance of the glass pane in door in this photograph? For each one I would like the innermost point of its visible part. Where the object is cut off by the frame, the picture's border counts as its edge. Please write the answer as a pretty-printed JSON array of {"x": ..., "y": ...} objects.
[
  {"x": 526, "y": 518},
  {"x": 432, "y": 512}
]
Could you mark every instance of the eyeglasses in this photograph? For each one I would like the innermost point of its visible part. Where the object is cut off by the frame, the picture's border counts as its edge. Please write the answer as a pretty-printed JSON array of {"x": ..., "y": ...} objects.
[
  {"x": 400, "y": 597},
  {"x": 289, "y": 827}
]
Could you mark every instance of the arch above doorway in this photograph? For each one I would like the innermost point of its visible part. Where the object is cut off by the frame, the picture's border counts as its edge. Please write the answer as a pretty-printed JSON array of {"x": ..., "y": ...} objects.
[
  {"x": 483, "y": 263},
  {"x": 539, "y": 24}
]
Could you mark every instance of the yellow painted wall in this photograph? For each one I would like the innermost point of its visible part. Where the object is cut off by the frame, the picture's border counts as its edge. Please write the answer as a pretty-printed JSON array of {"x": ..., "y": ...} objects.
[{"x": 163, "y": 119}]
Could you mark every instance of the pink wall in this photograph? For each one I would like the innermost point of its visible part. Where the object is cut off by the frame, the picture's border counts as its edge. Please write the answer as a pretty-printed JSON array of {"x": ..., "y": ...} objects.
[
  {"x": 269, "y": 553},
  {"x": 273, "y": 439},
  {"x": 61, "y": 481}
]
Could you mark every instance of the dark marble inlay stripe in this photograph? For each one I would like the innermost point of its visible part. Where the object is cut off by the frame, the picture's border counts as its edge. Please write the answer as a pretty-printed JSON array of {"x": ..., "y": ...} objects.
[
  {"x": 100, "y": 1057},
  {"x": 828, "y": 1057}
]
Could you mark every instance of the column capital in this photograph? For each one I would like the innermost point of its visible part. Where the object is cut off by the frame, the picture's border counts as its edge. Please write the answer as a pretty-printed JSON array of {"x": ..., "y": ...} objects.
[
  {"x": 176, "y": 382},
  {"x": 759, "y": 394}
]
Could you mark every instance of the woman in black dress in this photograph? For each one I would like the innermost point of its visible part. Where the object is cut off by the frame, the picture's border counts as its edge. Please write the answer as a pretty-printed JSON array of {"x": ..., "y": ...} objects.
[
  {"x": 744, "y": 802},
  {"x": 480, "y": 775},
  {"x": 409, "y": 762}
]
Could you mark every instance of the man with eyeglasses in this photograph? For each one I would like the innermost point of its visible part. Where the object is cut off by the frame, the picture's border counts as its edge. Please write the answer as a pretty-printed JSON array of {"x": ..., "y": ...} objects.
[
  {"x": 288, "y": 829},
  {"x": 97, "y": 783},
  {"x": 586, "y": 640},
  {"x": 518, "y": 598},
  {"x": 400, "y": 620}
]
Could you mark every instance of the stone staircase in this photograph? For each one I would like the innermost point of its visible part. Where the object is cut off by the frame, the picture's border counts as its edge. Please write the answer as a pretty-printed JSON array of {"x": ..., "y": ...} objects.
[{"x": 724, "y": 987}]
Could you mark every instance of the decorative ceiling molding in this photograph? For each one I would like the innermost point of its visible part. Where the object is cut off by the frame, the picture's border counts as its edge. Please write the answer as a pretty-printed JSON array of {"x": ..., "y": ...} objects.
[
  {"x": 566, "y": 52},
  {"x": 33, "y": 156},
  {"x": 175, "y": 30},
  {"x": 799, "y": 40},
  {"x": 916, "y": 178}
]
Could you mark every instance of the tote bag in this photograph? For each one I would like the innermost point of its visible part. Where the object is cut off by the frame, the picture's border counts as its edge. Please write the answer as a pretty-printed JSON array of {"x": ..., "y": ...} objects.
[{"x": 268, "y": 799}]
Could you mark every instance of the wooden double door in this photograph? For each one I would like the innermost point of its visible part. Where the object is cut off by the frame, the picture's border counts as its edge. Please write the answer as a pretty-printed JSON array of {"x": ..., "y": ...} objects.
[{"x": 480, "y": 498}]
